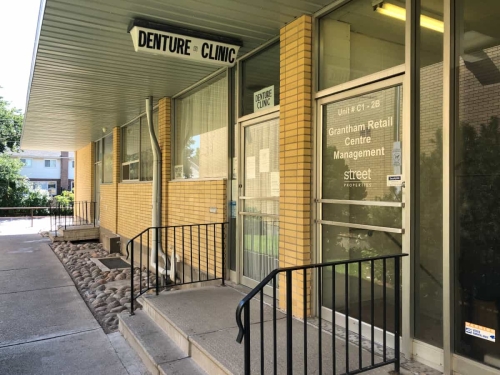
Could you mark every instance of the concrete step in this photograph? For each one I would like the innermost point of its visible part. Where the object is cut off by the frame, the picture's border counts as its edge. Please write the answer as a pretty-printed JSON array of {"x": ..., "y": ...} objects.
[
  {"x": 188, "y": 344},
  {"x": 159, "y": 353}
]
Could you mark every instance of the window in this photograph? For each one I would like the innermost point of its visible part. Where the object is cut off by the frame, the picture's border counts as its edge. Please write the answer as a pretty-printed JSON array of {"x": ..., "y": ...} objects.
[
  {"x": 50, "y": 163},
  {"x": 26, "y": 163},
  {"x": 261, "y": 75},
  {"x": 137, "y": 154},
  {"x": 201, "y": 125},
  {"x": 357, "y": 40},
  {"x": 107, "y": 160},
  {"x": 52, "y": 187}
]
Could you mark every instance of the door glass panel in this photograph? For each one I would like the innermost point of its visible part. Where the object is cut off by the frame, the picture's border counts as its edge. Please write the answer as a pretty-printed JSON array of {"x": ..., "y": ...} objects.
[
  {"x": 477, "y": 183},
  {"x": 389, "y": 217},
  {"x": 261, "y": 187},
  {"x": 362, "y": 146},
  {"x": 361, "y": 154},
  {"x": 341, "y": 243}
]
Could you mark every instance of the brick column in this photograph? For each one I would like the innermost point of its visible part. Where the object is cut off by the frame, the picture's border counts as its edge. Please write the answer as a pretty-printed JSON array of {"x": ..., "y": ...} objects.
[
  {"x": 295, "y": 154},
  {"x": 164, "y": 121}
]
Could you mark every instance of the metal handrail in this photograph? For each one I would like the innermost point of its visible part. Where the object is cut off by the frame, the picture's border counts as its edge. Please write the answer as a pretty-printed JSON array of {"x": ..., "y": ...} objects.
[
  {"x": 160, "y": 235},
  {"x": 244, "y": 306}
]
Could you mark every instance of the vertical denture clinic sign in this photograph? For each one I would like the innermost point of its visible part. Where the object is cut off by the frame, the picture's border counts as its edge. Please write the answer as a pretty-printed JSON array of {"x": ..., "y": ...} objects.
[{"x": 184, "y": 47}]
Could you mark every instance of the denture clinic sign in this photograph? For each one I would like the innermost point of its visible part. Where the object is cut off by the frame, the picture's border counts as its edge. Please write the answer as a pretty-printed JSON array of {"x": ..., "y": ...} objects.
[{"x": 184, "y": 47}]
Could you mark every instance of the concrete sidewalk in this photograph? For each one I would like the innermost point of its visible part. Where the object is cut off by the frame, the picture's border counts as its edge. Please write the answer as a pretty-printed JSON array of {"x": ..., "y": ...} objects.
[{"x": 45, "y": 326}]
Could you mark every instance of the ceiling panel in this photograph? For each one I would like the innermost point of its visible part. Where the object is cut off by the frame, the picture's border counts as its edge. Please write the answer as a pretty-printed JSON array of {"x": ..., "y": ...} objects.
[{"x": 86, "y": 75}]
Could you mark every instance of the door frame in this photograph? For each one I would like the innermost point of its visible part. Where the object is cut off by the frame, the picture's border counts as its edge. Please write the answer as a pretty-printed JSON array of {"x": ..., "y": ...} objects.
[
  {"x": 253, "y": 119},
  {"x": 391, "y": 78}
]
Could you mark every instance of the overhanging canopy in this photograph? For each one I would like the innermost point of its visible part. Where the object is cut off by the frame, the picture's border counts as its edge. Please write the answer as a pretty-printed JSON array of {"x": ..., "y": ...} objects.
[{"x": 86, "y": 75}]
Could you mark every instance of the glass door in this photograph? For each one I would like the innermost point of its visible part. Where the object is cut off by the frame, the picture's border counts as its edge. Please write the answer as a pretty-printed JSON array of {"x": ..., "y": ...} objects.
[
  {"x": 361, "y": 192},
  {"x": 259, "y": 198}
]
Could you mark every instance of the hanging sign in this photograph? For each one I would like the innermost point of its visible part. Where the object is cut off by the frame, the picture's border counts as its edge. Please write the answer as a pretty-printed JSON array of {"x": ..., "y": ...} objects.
[
  {"x": 185, "y": 47},
  {"x": 263, "y": 99}
]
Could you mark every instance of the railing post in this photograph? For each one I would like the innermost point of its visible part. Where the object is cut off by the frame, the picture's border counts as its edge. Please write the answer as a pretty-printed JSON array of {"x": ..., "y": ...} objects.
[
  {"x": 157, "y": 279},
  {"x": 397, "y": 308},
  {"x": 247, "y": 338},
  {"x": 289, "y": 347},
  {"x": 132, "y": 277},
  {"x": 223, "y": 256}
]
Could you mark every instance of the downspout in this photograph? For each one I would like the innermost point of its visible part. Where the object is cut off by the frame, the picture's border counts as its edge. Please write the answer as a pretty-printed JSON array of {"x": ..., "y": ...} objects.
[{"x": 156, "y": 214}]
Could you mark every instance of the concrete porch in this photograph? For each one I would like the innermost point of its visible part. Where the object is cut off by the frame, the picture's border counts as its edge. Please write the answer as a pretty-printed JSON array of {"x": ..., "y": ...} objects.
[
  {"x": 194, "y": 331},
  {"x": 84, "y": 232}
]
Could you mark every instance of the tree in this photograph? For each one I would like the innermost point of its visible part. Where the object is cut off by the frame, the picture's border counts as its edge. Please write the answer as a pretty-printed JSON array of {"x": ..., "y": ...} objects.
[
  {"x": 15, "y": 190},
  {"x": 11, "y": 122}
]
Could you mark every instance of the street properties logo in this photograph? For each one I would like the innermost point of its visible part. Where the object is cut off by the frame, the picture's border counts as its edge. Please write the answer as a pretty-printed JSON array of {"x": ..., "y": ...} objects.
[{"x": 358, "y": 178}]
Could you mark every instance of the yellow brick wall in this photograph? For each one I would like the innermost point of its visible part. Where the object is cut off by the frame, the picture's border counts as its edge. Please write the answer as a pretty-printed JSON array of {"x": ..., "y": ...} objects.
[
  {"x": 84, "y": 173},
  {"x": 134, "y": 209},
  {"x": 189, "y": 202},
  {"x": 295, "y": 153},
  {"x": 108, "y": 209}
]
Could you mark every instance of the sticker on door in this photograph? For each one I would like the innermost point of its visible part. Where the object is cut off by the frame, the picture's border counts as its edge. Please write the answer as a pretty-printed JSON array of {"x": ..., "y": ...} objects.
[{"x": 480, "y": 331}]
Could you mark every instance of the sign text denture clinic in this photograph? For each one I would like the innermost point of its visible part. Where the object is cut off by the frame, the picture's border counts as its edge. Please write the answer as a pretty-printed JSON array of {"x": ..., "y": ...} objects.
[{"x": 185, "y": 47}]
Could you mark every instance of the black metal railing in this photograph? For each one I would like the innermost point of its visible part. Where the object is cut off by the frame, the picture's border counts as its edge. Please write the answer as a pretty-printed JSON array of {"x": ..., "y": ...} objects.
[
  {"x": 64, "y": 215},
  {"x": 197, "y": 250},
  {"x": 336, "y": 283}
]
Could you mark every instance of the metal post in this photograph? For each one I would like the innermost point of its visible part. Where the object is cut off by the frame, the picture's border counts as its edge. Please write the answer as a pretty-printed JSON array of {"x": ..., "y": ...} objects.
[
  {"x": 289, "y": 347},
  {"x": 157, "y": 250},
  {"x": 397, "y": 308},
  {"x": 32, "y": 218},
  {"x": 223, "y": 257},
  {"x": 132, "y": 278},
  {"x": 247, "y": 338}
]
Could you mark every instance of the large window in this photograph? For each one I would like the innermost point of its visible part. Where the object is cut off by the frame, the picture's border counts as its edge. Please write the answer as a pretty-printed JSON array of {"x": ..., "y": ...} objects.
[
  {"x": 477, "y": 182},
  {"x": 137, "y": 153},
  {"x": 26, "y": 163},
  {"x": 201, "y": 124},
  {"x": 107, "y": 160},
  {"x": 429, "y": 192},
  {"x": 360, "y": 38}
]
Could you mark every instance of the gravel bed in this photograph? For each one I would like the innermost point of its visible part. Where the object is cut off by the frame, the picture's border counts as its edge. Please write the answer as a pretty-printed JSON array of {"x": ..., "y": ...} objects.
[{"x": 107, "y": 293}]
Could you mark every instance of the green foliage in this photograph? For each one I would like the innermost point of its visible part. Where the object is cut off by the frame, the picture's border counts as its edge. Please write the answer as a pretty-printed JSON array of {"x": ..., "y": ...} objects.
[
  {"x": 66, "y": 198},
  {"x": 15, "y": 190},
  {"x": 11, "y": 122}
]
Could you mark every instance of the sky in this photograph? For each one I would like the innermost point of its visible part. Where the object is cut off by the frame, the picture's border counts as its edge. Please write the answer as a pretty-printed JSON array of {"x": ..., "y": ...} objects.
[{"x": 18, "y": 21}]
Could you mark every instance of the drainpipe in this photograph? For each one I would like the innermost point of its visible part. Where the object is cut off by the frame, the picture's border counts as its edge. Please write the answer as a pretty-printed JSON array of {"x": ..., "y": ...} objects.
[{"x": 156, "y": 220}]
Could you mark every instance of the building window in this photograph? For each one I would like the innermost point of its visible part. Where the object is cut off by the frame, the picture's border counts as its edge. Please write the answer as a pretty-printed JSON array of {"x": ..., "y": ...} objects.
[
  {"x": 358, "y": 39},
  {"x": 26, "y": 163},
  {"x": 261, "y": 80},
  {"x": 201, "y": 125},
  {"x": 107, "y": 160},
  {"x": 50, "y": 163},
  {"x": 137, "y": 154}
]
